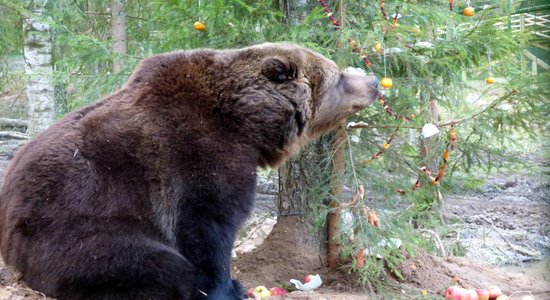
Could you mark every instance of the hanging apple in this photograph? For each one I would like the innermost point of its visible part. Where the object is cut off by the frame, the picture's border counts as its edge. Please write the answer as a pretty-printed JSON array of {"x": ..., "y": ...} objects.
[
  {"x": 469, "y": 11},
  {"x": 386, "y": 83},
  {"x": 200, "y": 26}
]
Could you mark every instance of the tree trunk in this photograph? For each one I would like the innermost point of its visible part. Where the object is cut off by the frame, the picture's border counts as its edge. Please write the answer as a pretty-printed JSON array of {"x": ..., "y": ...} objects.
[
  {"x": 296, "y": 10},
  {"x": 306, "y": 180},
  {"x": 296, "y": 246},
  {"x": 118, "y": 33},
  {"x": 37, "y": 51},
  {"x": 337, "y": 182},
  {"x": 429, "y": 153},
  {"x": 304, "y": 184}
]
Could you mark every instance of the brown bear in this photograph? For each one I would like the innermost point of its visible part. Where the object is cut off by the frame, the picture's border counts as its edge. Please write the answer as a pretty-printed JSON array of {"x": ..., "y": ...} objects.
[{"x": 140, "y": 195}]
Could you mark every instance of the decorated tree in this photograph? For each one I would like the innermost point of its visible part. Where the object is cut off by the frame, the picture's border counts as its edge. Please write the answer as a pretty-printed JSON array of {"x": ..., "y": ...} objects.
[{"x": 456, "y": 99}]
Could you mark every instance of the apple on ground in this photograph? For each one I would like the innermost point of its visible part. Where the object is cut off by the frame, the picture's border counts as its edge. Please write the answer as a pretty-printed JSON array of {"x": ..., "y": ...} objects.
[
  {"x": 482, "y": 294},
  {"x": 494, "y": 292},
  {"x": 472, "y": 295},
  {"x": 308, "y": 278},
  {"x": 250, "y": 293},
  {"x": 454, "y": 293},
  {"x": 277, "y": 291},
  {"x": 262, "y": 292}
]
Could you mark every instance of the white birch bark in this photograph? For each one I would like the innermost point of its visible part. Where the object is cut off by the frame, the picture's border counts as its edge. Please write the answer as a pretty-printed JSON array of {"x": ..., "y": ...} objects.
[
  {"x": 118, "y": 33},
  {"x": 37, "y": 50}
]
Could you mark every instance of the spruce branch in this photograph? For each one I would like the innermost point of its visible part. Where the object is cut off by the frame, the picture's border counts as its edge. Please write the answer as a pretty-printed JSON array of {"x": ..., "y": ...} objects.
[
  {"x": 487, "y": 108},
  {"x": 477, "y": 24}
]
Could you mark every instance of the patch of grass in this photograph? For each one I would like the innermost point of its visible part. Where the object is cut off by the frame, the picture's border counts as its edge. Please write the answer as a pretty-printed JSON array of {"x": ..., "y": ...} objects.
[{"x": 474, "y": 184}]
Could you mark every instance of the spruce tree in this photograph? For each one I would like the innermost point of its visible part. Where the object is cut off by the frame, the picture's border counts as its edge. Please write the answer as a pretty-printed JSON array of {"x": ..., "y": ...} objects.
[{"x": 439, "y": 60}]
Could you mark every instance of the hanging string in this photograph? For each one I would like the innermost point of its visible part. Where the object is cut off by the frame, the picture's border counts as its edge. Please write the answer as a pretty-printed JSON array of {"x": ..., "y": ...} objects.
[
  {"x": 382, "y": 149},
  {"x": 384, "y": 55},
  {"x": 441, "y": 172},
  {"x": 330, "y": 15},
  {"x": 384, "y": 103},
  {"x": 199, "y": 13},
  {"x": 384, "y": 14}
]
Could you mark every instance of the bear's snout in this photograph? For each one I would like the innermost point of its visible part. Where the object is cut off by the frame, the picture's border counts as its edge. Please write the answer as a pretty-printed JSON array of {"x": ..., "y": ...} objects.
[
  {"x": 375, "y": 82},
  {"x": 360, "y": 90}
]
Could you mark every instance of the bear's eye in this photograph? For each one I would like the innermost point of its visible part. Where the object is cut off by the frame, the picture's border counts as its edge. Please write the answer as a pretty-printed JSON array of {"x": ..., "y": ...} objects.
[{"x": 279, "y": 70}]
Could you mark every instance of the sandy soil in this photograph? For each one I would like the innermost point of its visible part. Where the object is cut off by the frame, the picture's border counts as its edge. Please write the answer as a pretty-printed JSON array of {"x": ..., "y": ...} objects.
[{"x": 507, "y": 222}]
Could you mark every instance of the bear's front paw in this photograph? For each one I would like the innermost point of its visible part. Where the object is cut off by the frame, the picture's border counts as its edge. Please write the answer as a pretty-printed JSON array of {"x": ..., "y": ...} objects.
[{"x": 239, "y": 290}]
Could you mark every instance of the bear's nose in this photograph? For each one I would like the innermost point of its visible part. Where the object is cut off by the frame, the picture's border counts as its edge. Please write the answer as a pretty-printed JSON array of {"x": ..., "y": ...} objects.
[{"x": 375, "y": 82}]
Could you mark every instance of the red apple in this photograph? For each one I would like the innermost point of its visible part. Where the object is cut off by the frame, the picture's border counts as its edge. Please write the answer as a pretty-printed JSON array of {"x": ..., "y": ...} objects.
[
  {"x": 494, "y": 292},
  {"x": 472, "y": 294},
  {"x": 482, "y": 294},
  {"x": 250, "y": 293},
  {"x": 277, "y": 291},
  {"x": 308, "y": 278},
  {"x": 454, "y": 293}
]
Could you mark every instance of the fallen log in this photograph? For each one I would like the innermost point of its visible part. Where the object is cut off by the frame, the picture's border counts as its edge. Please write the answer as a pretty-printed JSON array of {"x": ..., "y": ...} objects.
[
  {"x": 13, "y": 122},
  {"x": 13, "y": 135}
]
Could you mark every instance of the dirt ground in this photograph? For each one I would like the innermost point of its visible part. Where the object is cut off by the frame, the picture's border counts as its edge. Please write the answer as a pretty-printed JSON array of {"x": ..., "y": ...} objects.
[{"x": 504, "y": 229}]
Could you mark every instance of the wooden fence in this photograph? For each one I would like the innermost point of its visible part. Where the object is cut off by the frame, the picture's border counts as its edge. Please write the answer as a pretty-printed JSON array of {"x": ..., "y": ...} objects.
[{"x": 537, "y": 25}]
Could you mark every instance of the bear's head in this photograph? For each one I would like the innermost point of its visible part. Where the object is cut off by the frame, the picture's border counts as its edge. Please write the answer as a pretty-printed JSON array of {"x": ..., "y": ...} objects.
[
  {"x": 293, "y": 95},
  {"x": 272, "y": 97}
]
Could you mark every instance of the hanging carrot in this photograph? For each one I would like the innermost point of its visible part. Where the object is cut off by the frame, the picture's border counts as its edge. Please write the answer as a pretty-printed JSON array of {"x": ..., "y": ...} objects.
[{"x": 360, "y": 258}]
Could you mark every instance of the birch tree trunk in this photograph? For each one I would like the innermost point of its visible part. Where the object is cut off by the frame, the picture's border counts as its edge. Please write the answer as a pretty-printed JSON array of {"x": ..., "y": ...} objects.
[
  {"x": 118, "y": 33},
  {"x": 37, "y": 50}
]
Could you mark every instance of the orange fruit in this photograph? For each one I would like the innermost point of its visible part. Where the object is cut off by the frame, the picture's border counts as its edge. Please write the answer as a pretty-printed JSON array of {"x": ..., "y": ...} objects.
[
  {"x": 199, "y": 26},
  {"x": 386, "y": 83},
  {"x": 490, "y": 80},
  {"x": 469, "y": 11}
]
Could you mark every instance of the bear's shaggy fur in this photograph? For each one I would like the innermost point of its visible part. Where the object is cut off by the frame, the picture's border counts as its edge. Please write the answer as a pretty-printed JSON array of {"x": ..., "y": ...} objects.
[{"x": 140, "y": 195}]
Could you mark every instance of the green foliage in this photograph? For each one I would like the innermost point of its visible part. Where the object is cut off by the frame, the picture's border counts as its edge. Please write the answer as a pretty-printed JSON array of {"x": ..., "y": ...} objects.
[
  {"x": 492, "y": 119},
  {"x": 82, "y": 46}
]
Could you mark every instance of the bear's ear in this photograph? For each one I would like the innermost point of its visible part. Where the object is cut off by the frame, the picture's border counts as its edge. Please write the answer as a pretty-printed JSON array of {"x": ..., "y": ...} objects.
[{"x": 278, "y": 70}]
